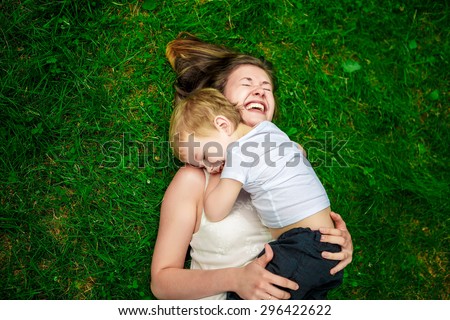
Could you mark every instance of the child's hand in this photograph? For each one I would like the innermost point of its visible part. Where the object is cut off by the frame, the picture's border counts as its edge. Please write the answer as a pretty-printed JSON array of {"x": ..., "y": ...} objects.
[{"x": 215, "y": 167}]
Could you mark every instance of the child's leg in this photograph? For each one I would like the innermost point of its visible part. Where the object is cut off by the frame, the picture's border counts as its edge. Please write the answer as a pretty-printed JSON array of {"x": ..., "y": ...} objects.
[
  {"x": 233, "y": 296},
  {"x": 297, "y": 256},
  {"x": 321, "y": 292}
]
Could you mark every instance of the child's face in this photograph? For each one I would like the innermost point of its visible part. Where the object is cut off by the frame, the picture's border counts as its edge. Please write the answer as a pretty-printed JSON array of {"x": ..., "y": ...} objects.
[
  {"x": 251, "y": 88},
  {"x": 205, "y": 152}
]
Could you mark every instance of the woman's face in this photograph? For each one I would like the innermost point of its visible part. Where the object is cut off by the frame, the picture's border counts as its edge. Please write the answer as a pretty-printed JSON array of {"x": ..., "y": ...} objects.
[{"x": 251, "y": 89}]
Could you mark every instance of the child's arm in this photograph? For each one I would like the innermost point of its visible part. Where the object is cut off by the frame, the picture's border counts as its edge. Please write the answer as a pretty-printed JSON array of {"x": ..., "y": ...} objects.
[
  {"x": 299, "y": 146},
  {"x": 220, "y": 200}
]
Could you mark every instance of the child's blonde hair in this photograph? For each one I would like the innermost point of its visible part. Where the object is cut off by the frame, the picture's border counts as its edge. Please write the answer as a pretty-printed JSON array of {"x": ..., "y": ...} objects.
[{"x": 196, "y": 113}]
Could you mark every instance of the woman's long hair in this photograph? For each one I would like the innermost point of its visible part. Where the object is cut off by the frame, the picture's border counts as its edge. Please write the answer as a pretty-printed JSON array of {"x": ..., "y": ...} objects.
[{"x": 203, "y": 65}]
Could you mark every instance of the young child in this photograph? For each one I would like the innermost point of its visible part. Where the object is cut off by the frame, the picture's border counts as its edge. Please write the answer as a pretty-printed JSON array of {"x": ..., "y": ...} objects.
[{"x": 206, "y": 131}]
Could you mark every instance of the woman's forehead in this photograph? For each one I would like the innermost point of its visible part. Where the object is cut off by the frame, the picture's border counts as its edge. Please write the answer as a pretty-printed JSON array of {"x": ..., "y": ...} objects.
[{"x": 249, "y": 71}]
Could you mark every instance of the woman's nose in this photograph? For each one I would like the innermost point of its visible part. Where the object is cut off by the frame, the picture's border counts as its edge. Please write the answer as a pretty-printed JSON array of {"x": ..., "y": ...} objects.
[{"x": 258, "y": 91}]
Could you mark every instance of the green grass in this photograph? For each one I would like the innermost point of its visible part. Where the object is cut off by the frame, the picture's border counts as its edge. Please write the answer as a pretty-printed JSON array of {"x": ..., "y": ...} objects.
[{"x": 85, "y": 101}]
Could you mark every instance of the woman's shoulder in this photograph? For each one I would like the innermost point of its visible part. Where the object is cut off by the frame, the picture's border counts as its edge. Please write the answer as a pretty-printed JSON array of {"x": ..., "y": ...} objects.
[
  {"x": 184, "y": 196},
  {"x": 190, "y": 174},
  {"x": 188, "y": 178}
]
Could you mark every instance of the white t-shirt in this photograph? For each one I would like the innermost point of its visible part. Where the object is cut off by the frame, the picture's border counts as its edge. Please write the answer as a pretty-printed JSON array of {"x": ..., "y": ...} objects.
[
  {"x": 283, "y": 186},
  {"x": 232, "y": 242}
]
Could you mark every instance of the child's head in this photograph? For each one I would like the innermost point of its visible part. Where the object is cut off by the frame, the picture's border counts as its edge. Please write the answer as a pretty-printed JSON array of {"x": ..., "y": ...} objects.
[{"x": 197, "y": 114}]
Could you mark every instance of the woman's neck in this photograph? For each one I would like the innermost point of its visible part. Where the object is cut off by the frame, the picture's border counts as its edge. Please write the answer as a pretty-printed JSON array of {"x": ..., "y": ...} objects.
[{"x": 241, "y": 130}]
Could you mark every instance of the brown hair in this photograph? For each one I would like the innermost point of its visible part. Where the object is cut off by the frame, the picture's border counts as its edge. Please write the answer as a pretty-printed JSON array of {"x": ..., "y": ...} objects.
[
  {"x": 203, "y": 65},
  {"x": 196, "y": 114}
]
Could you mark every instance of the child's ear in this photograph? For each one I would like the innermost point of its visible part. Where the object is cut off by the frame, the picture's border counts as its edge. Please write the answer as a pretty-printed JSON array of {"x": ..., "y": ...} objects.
[{"x": 222, "y": 123}]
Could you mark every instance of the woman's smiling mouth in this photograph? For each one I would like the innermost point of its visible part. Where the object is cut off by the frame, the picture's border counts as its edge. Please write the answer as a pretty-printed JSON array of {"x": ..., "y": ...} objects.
[{"x": 255, "y": 106}]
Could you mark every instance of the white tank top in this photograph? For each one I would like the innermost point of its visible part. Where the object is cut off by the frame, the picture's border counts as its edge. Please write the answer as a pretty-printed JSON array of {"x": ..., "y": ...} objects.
[{"x": 232, "y": 242}]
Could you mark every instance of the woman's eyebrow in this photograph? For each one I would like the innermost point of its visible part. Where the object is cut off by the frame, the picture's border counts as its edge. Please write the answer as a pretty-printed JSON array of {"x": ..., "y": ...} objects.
[{"x": 250, "y": 79}]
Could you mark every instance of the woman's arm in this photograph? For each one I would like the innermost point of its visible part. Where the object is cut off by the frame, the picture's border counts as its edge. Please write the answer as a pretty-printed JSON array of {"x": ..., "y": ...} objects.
[
  {"x": 169, "y": 280},
  {"x": 181, "y": 203},
  {"x": 339, "y": 235}
]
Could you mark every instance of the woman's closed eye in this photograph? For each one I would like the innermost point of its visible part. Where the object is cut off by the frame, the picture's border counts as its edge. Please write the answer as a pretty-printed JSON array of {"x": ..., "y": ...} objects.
[{"x": 266, "y": 88}]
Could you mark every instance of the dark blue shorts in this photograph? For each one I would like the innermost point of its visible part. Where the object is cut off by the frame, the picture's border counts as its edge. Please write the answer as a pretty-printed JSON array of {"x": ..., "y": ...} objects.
[{"x": 297, "y": 256}]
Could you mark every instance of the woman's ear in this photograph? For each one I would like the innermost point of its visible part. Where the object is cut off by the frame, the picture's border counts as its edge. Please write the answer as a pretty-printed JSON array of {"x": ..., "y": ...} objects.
[{"x": 223, "y": 124}]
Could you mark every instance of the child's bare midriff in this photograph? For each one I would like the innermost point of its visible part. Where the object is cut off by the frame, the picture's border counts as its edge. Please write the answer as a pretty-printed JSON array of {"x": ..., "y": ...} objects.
[{"x": 314, "y": 222}]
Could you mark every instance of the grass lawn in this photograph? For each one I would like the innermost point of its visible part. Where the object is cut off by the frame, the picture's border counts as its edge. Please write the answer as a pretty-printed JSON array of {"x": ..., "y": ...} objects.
[{"x": 85, "y": 102}]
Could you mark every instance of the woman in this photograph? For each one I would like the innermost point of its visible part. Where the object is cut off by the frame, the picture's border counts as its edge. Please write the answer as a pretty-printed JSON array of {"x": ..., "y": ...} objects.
[{"x": 223, "y": 253}]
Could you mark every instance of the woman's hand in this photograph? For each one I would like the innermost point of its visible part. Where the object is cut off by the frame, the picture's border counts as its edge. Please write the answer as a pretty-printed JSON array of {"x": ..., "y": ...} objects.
[
  {"x": 340, "y": 236},
  {"x": 254, "y": 282}
]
